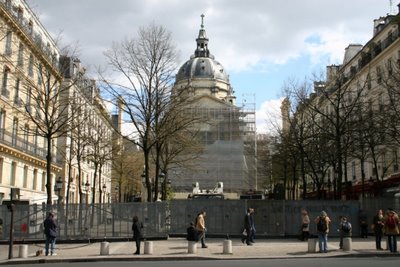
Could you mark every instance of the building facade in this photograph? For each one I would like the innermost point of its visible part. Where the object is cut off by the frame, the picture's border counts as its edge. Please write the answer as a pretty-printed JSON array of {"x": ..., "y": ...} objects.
[
  {"x": 34, "y": 87},
  {"x": 25, "y": 45},
  {"x": 353, "y": 114}
]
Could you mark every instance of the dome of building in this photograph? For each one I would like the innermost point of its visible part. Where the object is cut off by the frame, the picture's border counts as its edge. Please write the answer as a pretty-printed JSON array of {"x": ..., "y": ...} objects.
[
  {"x": 202, "y": 67},
  {"x": 202, "y": 74}
]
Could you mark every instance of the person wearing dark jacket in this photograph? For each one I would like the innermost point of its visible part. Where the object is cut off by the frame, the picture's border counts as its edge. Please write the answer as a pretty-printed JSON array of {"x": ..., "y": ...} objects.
[
  {"x": 248, "y": 226},
  {"x": 50, "y": 231},
  {"x": 192, "y": 233},
  {"x": 137, "y": 232}
]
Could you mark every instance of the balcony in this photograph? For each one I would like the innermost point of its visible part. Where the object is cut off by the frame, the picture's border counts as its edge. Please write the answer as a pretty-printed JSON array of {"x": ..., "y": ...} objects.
[{"x": 24, "y": 146}]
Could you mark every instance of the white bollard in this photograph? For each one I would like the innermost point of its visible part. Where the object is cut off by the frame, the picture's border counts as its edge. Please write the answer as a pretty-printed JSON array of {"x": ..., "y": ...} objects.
[
  {"x": 227, "y": 247},
  {"x": 23, "y": 251},
  {"x": 148, "y": 247},
  {"x": 192, "y": 247},
  {"x": 312, "y": 245},
  {"x": 104, "y": 248},
  {"x": 347, "y": 244}
]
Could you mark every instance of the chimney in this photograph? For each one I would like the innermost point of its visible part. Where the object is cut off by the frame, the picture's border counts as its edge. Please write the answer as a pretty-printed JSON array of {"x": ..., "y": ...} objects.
[{"x": 350, "y": 52}]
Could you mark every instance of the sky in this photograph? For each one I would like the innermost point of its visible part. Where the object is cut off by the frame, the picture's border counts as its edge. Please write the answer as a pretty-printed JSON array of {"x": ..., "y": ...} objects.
[{"x": 261, "y": 43}]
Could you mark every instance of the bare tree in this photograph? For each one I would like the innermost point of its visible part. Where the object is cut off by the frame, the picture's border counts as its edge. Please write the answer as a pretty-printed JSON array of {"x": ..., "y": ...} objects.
[{"x": 147, "y": 65}]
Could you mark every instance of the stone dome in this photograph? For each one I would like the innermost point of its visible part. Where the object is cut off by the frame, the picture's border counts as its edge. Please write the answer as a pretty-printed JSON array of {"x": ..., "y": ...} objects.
[
  {"x": 202, "y": 67},
  {"x": 202, "y": 74}
]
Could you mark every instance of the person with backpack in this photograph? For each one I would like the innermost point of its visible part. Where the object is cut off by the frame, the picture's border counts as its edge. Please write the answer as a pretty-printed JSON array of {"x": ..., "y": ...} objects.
[
  {"x": 344, "y": 230},
  {"x": 391, "y": 222},
  {"x": 50, "y": 231},
  {"x": 323, "y": 222}
]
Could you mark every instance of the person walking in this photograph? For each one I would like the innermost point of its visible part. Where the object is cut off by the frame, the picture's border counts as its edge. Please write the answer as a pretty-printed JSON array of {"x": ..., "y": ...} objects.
[
  {"x": 50, "y": 231},
  {"x": 323, "y": 222},
  {"x": 363, "y": 224},
  {"x": 344, "y": 230},
  {"x": 247, "y": 224},
  {"x": 201, "y": 228},
  {"x": 391, "y": 228},
  {"x": 137, "y": 227},
  {"x": 253, "y": 228},
  {"x": 377, "y": 227},
  {"x": 305, "y": 225}
]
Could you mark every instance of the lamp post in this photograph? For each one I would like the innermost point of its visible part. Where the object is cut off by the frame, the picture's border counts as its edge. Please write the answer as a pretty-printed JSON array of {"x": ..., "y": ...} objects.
[
  {"x": 104, "y": 192},
  {"x": 86, "y": 188},
  {"x": 57, "y": 188}
]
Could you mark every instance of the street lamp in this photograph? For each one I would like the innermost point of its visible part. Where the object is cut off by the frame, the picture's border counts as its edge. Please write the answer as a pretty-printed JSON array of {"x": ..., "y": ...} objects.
[
  {"x": 104, "y": 192},
  {"x": 58, "y": 187},
  {"x": 86, "y": 188}
]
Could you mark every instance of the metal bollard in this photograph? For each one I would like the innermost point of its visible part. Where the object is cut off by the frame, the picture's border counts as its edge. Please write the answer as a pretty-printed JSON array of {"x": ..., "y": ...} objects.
[
  {"x": 104, "y": 248},
  {"x": 312, "y": 245},
  {"x": 148, "y": 247},
  {"x": 192, "y": 247},
  {"x": 227, "y": 247},
  {"x": 347, "y": 244},
  {"x": 23, "y": 251}
]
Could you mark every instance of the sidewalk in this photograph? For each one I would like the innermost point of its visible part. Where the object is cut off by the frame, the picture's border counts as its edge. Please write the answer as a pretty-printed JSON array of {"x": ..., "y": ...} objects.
[{"x": 177, "y": 249}]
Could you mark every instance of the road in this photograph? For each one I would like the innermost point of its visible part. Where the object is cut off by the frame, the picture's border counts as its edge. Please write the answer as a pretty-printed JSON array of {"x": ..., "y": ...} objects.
[{"x": 316, "y": 262}]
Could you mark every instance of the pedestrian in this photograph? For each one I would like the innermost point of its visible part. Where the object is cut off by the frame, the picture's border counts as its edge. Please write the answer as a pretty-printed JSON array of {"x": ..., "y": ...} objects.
[
  {"x": 323, "y": 222},
  {"x": 201, "y": 227},
  {"x": 344, "y": 230},
  {"x": 137, "y": 227},
  {"x": 192, "y": 233},
  {"x": 391, "y": 226},
  {"x": 363, "y": 224},
  {"x": 50, "y": 231},
  {"x": 377, "y": 227},
  {"x": 305, "y": 225},
  {"x": 247, "y": 225},
  {"x": 253, "y": 228}
]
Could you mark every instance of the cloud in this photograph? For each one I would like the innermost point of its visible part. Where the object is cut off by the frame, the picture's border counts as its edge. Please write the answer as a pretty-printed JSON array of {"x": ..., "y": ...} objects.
[
  {"x": 242, "y": 34},
  {"x": 268, "y": 116}
]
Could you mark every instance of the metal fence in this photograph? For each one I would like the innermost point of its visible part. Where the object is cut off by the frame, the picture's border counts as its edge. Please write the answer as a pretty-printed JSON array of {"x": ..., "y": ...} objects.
[{"x": 160, "y": 219}]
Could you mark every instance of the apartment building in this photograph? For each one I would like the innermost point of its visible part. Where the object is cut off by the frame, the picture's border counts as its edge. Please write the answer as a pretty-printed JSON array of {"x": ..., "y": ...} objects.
[
  {"x": 27, "y": 53},
  {"x": 45, "y": 92},
  {"x": 349, "y": 112}
]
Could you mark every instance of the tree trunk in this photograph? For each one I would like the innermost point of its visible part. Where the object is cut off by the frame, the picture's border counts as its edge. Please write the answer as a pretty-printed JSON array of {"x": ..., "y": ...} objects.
[{"x": 48, "y": 172}]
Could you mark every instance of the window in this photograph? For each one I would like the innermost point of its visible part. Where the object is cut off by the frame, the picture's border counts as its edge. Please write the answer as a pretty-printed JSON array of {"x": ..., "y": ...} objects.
[
  {"x": 25, "y": 181},
  {"x": 26, "y": 135},
  {"x": 14, "y": 131},
  {"x": 43, "y": 181},
  {"x": 390, "y": 66},
  {"x": 35, "y": 140},
  {"x": 34, "y": 182},
  {"x": 40, "y": 74},
  {"x": 13, "y": 173},
  {"x": 4, "y": 89},
  {"x": 28, "y": 99},
  {"x": 378, "y": 75},
  {"x": 353, "y": 170},
  {"x": 30, "y": 65},
  {"x": 2, "y": 121},
  {"x": 395, "y": 161},
  {"x": 8, "y": 50},
  {"x": 1, "y": 170},
  {"x": 20, "y": 61},
  {"x": 17, "y": 101}
]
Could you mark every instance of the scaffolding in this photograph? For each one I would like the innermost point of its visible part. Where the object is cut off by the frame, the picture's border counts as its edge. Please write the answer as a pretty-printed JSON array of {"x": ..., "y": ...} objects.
[{"x": 229, "y": 148}]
